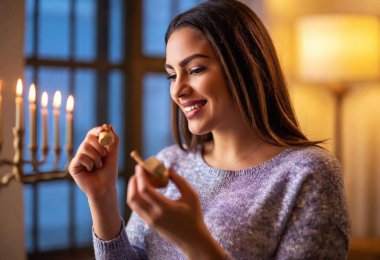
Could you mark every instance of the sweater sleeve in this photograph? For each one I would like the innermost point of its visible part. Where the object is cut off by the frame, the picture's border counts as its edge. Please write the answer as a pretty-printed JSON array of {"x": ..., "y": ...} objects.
[
  {"x": 319, "y": 226},
  {"x": 116, "y": 249}
]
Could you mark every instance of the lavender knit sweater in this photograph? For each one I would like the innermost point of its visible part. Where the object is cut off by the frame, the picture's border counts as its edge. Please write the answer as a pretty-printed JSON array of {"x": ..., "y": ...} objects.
[{"x": 290, "y": 207}]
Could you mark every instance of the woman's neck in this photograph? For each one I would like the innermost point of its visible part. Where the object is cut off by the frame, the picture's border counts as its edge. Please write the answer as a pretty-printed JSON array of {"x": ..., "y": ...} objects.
[{"x": 237, "y": 149}]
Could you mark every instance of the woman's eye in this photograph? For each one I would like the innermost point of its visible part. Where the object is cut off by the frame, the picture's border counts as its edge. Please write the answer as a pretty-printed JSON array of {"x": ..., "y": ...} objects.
[
  {"x": 171, "y": 77},
  {"x": 197, "y": 70}
]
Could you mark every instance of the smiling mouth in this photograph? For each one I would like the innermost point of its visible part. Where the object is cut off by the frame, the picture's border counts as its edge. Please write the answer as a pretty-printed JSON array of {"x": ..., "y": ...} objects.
[{"x": 194, "y": 106}]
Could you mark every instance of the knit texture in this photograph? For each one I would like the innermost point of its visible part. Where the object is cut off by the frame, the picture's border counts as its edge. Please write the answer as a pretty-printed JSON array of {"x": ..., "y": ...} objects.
[{"x": 292, "y": 206}]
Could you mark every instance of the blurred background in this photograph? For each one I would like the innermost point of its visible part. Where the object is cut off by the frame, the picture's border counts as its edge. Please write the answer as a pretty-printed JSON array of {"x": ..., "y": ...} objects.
[{"x": 110, "y": 53}]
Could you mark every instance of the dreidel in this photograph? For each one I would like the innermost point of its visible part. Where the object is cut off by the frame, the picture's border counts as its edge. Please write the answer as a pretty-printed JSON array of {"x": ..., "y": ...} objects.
[
  {"x": 158, "y": 174},
  {"x": 106, "y": 137}
]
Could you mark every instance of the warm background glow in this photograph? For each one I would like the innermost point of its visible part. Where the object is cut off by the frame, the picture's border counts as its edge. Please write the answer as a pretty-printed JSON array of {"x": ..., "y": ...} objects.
[
  {"x": 315, "y": 104},
  {"x": 338, "y": 48}
]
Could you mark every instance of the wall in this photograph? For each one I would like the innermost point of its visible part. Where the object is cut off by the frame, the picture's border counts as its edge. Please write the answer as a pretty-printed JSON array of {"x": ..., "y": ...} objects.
[{"x": 11, "y": 68}]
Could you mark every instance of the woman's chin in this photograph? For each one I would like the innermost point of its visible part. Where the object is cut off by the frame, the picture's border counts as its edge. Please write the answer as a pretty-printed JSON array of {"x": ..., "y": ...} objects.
[{"x": 197, "y": 130}]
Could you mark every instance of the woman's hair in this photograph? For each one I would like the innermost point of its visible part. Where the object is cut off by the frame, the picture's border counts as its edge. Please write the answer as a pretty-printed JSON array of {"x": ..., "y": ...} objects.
[{"x": 252, "y": 71}]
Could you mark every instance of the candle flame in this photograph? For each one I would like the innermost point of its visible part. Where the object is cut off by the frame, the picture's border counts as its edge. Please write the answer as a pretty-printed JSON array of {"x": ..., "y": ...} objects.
[
  {"x": 57, "y": 99},
  {"x": 19, "y": 88},
  {"x": 44, "y": 99},
  {"x": 32, "y": 93},
  {"x": 70, "y": 104}
]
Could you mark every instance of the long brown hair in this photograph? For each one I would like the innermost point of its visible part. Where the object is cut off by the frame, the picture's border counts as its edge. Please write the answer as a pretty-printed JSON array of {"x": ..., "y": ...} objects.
[{"x": 251, "y": 68}]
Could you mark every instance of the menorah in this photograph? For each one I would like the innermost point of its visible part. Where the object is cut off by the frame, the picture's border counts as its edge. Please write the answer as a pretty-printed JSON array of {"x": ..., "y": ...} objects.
[{"x": 17, "y": 164}]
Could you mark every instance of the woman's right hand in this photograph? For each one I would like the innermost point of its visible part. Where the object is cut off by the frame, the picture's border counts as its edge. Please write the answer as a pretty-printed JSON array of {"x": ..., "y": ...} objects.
[{"x": 94, "y": 167}]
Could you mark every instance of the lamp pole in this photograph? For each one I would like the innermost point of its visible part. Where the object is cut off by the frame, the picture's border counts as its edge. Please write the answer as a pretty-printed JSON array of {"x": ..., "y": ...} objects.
[{"x": 340, "y": 91}]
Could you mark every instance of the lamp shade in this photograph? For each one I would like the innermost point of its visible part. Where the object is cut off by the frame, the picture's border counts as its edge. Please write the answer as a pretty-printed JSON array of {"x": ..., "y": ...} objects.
[{"x": 338, "y": 48}]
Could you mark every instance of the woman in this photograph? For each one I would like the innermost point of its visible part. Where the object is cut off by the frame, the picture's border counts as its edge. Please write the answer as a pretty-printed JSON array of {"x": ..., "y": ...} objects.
[{"x": 245, "y": 182}]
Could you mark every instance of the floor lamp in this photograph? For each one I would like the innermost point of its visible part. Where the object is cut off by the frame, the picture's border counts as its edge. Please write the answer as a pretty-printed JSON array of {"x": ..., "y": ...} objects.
[{"x": 338, "y": 51}]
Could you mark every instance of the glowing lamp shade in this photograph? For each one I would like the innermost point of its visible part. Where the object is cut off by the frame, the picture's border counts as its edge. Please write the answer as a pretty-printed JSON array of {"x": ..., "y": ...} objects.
[{"x": 339, "y": 48}]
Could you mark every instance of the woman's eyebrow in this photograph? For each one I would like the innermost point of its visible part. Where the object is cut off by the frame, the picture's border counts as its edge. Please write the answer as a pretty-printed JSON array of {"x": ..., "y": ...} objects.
[{"x": 186, "y": 60}]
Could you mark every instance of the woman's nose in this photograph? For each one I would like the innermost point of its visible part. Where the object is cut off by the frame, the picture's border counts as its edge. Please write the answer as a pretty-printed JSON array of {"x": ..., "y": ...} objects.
[{"x": 180, "y": 87}]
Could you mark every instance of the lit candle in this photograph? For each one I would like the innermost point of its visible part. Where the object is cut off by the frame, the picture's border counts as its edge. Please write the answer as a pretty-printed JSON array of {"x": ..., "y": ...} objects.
[
  {"x": 19, "y": 106},
  {"x": 44, "y": 103},
  {"x": 32, "y": 116},
  {"x": 69, "y": 121},
  {"x": 1, "y": 113},
  {"x": 56, "y": 105}
]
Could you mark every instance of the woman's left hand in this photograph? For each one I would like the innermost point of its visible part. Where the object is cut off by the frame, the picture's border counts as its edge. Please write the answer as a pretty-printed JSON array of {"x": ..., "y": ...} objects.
[{"x": 180, "y": 221}]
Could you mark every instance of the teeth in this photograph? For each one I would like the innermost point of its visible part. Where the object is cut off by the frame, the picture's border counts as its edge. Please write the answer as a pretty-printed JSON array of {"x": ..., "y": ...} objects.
[{"x": 190, "y": 108}]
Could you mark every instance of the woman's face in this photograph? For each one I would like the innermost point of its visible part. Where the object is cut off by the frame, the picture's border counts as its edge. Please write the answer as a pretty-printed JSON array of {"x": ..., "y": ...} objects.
[{"x": 197, "y": 84}]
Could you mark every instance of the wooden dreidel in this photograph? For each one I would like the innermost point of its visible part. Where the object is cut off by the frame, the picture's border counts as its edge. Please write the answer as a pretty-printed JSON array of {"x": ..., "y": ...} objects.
[
  {"x": 106, "y": 137},
  {"x": 158, "y": 174}
]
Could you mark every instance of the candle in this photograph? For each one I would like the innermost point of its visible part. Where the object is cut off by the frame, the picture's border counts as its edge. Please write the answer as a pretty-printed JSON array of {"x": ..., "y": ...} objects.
[
  {"x": 44, "y": 103},
  {"x": 69, "y": 121},
  {"x": 56, "y": 105},
  {"x": 32, "y": 116},
  {"x": 1, "y": 113},
  {"x": 19, "y": 108}
]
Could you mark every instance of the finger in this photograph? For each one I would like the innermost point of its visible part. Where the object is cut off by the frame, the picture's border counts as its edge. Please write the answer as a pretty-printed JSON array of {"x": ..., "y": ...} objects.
[
  {"x": 93, "y": 140},
  {"x": 149, "y": 213},
  {"x": 183, "y": 186},
  {"x": 134, "y": 201},
  {"x": 95, "y": 131},
  {"x": 93, "y": 154},
  {"x": 84, "y": 160},
  {"x": 75, "y": 166},
  {"x": 146, "y": 190}
]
